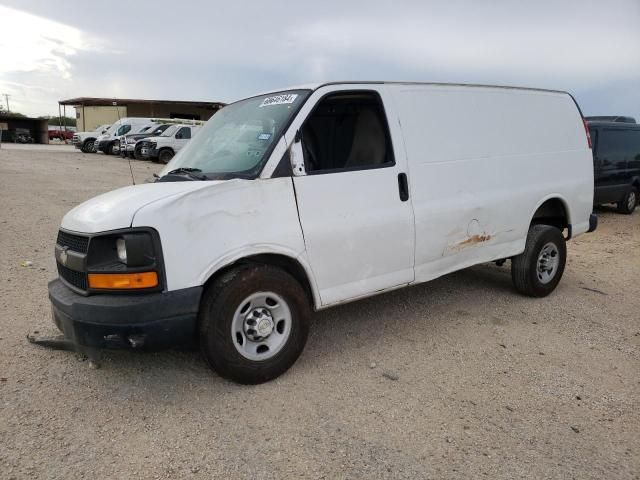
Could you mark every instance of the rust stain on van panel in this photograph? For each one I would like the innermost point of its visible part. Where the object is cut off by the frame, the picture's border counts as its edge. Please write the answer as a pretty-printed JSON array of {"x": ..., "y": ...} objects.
[{"x": 472, "y": 240}]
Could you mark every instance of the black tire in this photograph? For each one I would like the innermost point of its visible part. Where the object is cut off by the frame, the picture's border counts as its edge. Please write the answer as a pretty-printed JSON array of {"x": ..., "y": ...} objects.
[
  {"x": 109, "y": 149},
  {"x": 524, "y": 268},
  {"x": 629, "y": 202},
  {"x": 87, "y": 146},
  {"x": 165, "y": 155},
  {"x": 220, "y": 301}
]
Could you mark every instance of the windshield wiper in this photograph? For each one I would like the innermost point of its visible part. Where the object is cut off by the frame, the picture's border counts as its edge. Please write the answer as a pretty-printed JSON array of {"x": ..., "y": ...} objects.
[{"x": 189, "y": 172}]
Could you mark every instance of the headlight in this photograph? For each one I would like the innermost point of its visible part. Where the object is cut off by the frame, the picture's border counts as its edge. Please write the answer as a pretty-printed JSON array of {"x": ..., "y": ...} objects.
[
  {"x": 131, "y": 140},
  {"x": 125, "y": 260},
  {"x": 121, "y": 248}
]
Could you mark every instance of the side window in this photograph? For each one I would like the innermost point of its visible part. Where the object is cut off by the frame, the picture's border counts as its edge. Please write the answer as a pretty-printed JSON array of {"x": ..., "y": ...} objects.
[
  {"x": 184, "y": 133},
  {"x": 616, "y": 146},
  {"x": 347, "y": 131},
  {"x": 634, "y": 154}
]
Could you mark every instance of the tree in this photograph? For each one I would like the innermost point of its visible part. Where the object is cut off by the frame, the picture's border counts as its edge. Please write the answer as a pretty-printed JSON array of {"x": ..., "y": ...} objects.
[{"x": 54, "y": 120}]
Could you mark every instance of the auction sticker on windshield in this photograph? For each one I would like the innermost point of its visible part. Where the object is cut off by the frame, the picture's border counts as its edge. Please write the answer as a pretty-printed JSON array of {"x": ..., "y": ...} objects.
[{"x": 279, "y": 100}]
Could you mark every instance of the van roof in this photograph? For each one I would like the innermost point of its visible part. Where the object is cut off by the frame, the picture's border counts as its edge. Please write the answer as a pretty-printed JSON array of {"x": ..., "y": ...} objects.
[
  {"x": 315, "y": 86},
  {"x": 609, "y": 124}
]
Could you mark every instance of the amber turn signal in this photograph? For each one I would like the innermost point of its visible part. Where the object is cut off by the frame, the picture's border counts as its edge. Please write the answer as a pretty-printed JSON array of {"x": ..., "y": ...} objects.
[{"x": 123, "y": 281}]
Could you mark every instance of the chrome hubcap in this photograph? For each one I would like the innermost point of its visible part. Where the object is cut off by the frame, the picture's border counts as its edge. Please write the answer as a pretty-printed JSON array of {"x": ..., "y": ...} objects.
[
  {"x": 258, "y": 324},
  {"x": 548, "y": 262},
  {"x": 261, "y": 326}
]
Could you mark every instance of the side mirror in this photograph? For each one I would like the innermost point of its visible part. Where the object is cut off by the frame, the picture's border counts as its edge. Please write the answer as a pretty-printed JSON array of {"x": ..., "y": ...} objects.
[{"x": 296, "y": 156}]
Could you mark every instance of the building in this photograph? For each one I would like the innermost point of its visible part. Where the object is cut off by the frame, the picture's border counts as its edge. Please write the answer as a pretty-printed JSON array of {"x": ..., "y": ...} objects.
[
  {"x": 92, "y": 112},
  {"x": 15, "y": 128}
]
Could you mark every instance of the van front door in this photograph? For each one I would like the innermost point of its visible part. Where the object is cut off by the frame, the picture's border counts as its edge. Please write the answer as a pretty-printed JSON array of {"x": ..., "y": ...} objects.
[{"x": 353, "y": 203}]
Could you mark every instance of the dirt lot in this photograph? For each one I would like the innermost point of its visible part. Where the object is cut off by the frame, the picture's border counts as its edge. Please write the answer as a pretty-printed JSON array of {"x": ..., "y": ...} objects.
[{"x": 491, "y": 384}]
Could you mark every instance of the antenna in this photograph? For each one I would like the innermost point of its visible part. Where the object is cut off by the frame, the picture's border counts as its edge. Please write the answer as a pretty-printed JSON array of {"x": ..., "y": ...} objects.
[{"x": 133, "y": 179}]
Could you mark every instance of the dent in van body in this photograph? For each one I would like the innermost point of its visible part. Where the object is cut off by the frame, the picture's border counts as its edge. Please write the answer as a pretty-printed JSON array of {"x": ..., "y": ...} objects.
[{"x": 210, "y": 228}]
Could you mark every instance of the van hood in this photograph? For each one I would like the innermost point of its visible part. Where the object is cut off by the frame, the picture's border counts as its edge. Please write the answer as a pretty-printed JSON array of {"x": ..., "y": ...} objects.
[{"x": 116, "y": 209}]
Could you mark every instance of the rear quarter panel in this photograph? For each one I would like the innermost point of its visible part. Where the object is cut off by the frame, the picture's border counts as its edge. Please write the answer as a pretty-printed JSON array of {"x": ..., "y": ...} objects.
[{"x": 481, "y": 160}]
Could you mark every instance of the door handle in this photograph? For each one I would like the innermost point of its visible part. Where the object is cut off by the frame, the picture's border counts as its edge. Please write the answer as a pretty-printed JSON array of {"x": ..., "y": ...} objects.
[{"x": 403, "y": 187}]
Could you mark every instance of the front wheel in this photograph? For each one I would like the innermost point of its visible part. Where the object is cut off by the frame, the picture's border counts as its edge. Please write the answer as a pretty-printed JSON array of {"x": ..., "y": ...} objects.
[
  {"x": 87, "y": 147},
  {"x": 165, "y": 155},
  {"x": 253, "y": 323},
  {"x": 537, "y": 271},
  {"x": 629, "y": 202}
]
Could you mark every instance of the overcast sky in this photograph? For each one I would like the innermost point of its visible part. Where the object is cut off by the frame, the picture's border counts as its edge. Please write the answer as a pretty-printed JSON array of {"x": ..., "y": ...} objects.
[{"x": 223, "y": 51}]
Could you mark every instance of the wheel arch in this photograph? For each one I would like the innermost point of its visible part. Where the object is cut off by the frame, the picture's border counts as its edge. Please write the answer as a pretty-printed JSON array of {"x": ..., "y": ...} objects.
[
  {"x": 552, "y": 210},
  {"x": 295, "y": 266}
]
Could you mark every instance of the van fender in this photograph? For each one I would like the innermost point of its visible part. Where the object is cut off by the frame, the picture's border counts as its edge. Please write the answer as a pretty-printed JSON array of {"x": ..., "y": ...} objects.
[
  {"x": 552, "y": 196},
  {"x": 238, "y": 254}
]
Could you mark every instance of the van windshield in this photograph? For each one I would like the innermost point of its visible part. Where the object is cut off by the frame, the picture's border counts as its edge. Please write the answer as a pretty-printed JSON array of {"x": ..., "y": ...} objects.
[
  {"x": 237, "y": 140},
  {"x": 113, "y": 128}
]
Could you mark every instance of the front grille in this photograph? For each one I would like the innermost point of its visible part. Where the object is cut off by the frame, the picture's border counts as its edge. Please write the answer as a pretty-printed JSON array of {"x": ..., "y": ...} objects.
[
  {"x": 77, "y": 243},
  {"x": 75, "y": 139},
  {"x": 77, "y": 279}
]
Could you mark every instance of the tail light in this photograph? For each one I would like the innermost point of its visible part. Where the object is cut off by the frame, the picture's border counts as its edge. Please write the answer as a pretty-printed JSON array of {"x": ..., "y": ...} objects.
[{"x": 586, "y": 130}]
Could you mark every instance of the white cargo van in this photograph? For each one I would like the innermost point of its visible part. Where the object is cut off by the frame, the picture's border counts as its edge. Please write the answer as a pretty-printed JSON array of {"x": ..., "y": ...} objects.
[
  {"x": 109, "y": 142},
  {"x": 298, "y": 200}
]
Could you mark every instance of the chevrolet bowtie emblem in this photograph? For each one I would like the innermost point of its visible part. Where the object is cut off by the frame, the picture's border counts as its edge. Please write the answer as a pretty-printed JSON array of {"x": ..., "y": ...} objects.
[{"x": 63, "y": 257}]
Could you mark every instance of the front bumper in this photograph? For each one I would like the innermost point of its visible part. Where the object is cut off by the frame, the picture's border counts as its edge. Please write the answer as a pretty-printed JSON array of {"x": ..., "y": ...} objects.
[
  {"x": 148, "y": 152},
  {"x": 152, "y": 321}
]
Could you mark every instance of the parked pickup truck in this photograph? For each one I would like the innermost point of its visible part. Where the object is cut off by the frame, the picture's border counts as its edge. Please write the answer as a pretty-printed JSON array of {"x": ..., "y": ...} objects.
[
  {"x": 61, "y": 134},
  {"x": 162, "y": 148},
  {"x": 85, "y": 140},
  {"x": 128, "y": 141},
  {"x": 299, "y": 200}
]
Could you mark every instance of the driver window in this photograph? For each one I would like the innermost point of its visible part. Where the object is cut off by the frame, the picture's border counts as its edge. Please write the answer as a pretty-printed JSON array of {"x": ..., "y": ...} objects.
[
  {"x": 347, "y": 131},
  {"x": 184, "y": 133}
]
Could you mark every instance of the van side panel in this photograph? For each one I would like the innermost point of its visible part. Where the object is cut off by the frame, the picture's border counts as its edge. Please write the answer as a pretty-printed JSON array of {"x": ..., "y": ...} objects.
[{"x": 480, "y": 161}]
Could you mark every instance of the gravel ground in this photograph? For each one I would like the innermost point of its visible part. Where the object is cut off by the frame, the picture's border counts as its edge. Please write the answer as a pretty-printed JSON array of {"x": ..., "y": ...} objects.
[{"x": 457, "y": 378}]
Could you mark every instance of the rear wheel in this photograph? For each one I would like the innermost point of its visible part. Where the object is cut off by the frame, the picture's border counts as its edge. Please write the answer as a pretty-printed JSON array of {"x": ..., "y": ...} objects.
[
  {"x": 537, "y": 271},
  {"x": 629, "y": 202},
  {"x": 254, "y": 323},
  {"x": 165, "y": 155}
]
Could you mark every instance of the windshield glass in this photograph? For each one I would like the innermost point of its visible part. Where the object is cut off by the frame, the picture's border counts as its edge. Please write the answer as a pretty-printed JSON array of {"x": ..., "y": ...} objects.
[
  {"x": 170, "y": 131},
  {"x": 113, "y": 128},
  {"x": 236, "y": 141}
]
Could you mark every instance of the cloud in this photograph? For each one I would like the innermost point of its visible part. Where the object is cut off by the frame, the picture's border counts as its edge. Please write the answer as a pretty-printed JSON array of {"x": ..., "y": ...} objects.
[
  {"x": 38, "y": 52},
  {"x": 202, "y": 50}
]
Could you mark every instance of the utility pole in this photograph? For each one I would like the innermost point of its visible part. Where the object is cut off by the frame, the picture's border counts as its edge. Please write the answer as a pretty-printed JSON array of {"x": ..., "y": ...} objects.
[{"x": 6, "y": 99}]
